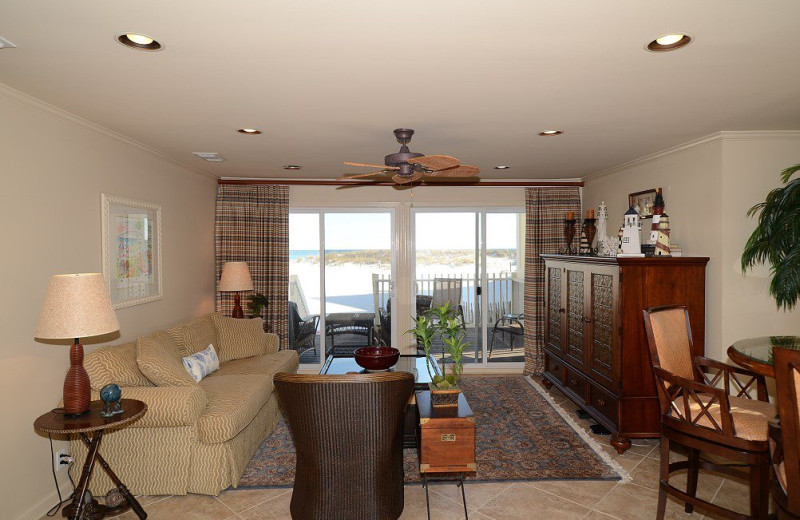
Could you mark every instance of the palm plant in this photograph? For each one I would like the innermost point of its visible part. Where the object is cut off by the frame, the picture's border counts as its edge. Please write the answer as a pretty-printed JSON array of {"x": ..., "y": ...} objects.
[
  {"x": 776, "y": 239},
  {"x": 258, "y": 302}
]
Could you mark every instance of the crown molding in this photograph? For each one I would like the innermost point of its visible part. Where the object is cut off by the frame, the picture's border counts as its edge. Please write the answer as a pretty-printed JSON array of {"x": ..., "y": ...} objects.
[
  {"x": 717, "y": 136},
  {"x": 17, "y": 96}
]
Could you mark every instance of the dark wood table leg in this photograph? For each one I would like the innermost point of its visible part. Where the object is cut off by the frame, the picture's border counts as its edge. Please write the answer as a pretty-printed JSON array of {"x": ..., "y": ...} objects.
[
  {"x": 137, "y": 508},
  {"x": 83, "y": 483}
]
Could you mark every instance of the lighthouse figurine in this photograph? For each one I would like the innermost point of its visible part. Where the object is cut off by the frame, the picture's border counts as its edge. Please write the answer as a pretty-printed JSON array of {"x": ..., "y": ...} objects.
[{"x": 631, "y": 243}]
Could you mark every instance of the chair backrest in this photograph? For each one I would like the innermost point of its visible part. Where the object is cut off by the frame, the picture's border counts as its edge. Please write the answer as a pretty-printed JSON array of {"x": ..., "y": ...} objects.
[
  {"x": 348, "y": 433},
  {"x": 787, "y": 379},
  {"x": 446, "y": 290},
  {"x": 294, "y": 320},
  {"x": 669, "y": 337}
]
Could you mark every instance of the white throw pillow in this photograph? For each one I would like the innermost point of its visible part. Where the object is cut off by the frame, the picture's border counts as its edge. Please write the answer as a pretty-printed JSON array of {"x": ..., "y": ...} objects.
[{"x": 202, "y": 363}]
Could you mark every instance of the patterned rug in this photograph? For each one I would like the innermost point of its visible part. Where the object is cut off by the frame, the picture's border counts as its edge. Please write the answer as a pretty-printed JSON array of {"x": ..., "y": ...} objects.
[{"x": 521, "y": 434}]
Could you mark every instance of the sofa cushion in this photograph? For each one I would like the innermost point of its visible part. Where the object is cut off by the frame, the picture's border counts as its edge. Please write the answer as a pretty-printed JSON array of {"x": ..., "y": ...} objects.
[
  {"x": 233, "y": 401},
  {"x": 195, "y": 335},
  {"x": 239, "y": 338},
  {"x": 159, "y": 360},
  {"x": 114, "y": 364},
  {"x": 282, "y": 361}
]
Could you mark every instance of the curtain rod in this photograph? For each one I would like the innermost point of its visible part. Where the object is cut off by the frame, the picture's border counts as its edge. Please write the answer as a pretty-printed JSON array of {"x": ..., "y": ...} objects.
[{"x": 298, "y": 182}]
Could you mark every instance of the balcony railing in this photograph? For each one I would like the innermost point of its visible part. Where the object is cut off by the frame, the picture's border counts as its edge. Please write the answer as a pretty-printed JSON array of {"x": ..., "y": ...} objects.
[{"x": 503, "y": 290}]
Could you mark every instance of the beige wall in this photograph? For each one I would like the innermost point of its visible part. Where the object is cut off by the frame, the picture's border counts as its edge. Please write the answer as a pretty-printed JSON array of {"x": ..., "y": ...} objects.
[
  {"x": 53, "y": 173},
  {"x": 708, "y": 188}
]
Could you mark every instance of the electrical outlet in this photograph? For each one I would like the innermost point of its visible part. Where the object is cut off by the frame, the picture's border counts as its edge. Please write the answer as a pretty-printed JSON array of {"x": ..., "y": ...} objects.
[{"x": 57, "y": 460}]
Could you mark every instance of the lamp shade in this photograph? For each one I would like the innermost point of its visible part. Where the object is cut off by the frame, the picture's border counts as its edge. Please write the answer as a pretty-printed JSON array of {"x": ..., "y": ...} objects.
[
  {"x": 235, "y": 277},
  {"x": 76, "y": 306}
]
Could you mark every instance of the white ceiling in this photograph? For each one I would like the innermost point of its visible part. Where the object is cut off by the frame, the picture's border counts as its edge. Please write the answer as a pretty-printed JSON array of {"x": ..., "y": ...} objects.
[{"x": 328, "y": 81}]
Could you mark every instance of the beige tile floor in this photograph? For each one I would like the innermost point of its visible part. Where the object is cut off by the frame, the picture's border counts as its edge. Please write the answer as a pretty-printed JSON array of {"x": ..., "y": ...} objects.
[{"x": 550, "y": 500}]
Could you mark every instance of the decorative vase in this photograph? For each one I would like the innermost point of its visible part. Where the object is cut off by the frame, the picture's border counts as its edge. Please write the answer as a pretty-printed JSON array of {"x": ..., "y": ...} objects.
[
  {"x": 444, "y": 397},
  {"x": 569, "y": 234}
]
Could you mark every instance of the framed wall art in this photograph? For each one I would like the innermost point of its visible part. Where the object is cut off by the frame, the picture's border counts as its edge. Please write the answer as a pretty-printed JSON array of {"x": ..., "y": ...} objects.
[
  {"x": 131, "y": 250},
  {"x": 645, "y": 200}
]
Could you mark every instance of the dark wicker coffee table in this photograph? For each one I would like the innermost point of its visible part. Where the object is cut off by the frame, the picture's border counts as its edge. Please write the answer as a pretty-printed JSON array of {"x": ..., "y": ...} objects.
[{"x": 55, "y": 422}]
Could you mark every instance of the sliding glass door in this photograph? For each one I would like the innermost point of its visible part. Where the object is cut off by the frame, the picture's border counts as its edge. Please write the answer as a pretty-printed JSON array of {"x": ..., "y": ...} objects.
[
  {"x": 340, "y": 273},
  {"x": 475, "y": 260}
]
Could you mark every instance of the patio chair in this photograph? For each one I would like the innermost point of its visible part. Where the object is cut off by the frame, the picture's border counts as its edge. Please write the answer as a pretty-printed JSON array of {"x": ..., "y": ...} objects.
[
  {"x": 784, "y": 443},
  {"x": 508, "y": 324},
  {"x": 697, "y": 414},
  {"x": 302, "y": 332},
  {"x": 448, "y": 290},
  {"x": 348, "y": 434},
  {"x": 423, "y": 304}
]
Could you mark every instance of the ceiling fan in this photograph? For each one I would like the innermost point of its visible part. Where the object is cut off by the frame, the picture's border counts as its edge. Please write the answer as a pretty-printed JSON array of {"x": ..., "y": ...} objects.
[{"x": 405, "y": 166}]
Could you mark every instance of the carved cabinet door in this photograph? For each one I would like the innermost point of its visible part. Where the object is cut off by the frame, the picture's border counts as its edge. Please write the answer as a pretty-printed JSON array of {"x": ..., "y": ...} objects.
[
  {"x": 602, "y": 343},
  {"x": 576, "y": 312},
  {"x": 554, "y": 306}
]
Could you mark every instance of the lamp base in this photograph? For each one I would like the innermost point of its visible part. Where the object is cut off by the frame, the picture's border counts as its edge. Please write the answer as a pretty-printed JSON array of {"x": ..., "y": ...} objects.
[
  {"x": 76, "y": 384},
  {"x": 237, "y": 306}
]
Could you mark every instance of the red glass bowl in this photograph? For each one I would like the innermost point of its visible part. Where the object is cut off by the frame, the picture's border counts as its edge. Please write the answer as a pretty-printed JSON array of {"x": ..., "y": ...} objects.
[{"x": 377, "y": 358}]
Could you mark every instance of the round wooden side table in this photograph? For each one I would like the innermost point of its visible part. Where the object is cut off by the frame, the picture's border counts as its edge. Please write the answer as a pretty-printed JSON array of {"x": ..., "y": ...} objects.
[{"x": 55, "y": 422}]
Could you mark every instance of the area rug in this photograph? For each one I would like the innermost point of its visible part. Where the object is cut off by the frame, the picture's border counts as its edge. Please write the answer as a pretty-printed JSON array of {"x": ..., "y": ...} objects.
[{"x": 521, "y": 434}]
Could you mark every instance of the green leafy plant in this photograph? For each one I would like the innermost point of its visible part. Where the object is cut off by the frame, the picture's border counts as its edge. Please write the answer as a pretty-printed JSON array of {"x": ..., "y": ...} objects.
[
  {"x": 442, "y": 322},
  {"x": 258, "y": 302},
  {"x": 776, "y": 239}
]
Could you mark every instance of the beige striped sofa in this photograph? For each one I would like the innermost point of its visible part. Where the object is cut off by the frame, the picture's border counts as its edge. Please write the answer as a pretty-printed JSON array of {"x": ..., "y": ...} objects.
[{"x": 195, "y": 437}]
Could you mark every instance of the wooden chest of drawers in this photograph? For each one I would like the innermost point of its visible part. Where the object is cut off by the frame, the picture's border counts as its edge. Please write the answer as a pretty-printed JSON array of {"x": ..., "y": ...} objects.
[{"x": 446, "y": 436}]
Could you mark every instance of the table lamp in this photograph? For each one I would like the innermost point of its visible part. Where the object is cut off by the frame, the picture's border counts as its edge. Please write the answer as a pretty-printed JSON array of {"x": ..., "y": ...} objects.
[
  {"x": 76, "y": 306},
  {"x": 236, "y": 278}
]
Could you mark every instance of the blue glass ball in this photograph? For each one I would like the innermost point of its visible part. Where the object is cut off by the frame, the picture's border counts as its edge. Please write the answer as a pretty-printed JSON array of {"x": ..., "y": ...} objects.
[{"x": 110, "y": 393}]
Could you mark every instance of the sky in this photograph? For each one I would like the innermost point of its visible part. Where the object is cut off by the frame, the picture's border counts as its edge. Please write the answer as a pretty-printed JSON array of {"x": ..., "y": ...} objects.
[{"x": 372, "y": 230}]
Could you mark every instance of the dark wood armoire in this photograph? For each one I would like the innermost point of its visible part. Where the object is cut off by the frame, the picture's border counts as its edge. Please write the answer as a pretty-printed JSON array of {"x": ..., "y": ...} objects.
[{"x": 595, "y": 346}]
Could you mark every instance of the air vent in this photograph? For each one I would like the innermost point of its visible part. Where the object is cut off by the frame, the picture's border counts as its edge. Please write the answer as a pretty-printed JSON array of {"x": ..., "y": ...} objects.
[
  {"x": 209, "y": 156},
  {"x": 5, "y": 44}
]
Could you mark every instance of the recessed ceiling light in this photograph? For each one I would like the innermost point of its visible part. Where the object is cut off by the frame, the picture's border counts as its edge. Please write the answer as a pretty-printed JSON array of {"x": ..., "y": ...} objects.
[
  {"x": 501, "y": 167},
  {"x": 669, "y": 42},
  {"x": 209, "y": 156},
  {"x": 249, "y": 131},
  {"x": 138, "y": 41},
  {"x": 550, "y": 132},
  {"x": 292, "y": 167}
]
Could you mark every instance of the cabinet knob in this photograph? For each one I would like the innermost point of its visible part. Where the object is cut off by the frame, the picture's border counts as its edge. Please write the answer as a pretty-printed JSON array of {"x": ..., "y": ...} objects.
[
  {"x": 587, "y": 319},
  {"x": 573, "y": 382},
  {"x": 555, "y": 367},
  {"x": 601, "y": 402},
  {"x": 562, "y": 310}
]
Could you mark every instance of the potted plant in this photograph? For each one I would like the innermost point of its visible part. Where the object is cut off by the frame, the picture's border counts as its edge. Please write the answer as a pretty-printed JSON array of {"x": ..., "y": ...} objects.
[
  {"x": 258, "y": 302},
  {"x": 441, "y": 322},
  {"x": 776, "y": 239}
]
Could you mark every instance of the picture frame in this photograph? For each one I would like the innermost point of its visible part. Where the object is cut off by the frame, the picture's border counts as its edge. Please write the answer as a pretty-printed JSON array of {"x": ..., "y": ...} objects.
[
  {"x": 131, "y": 246},
  {"x": 645, "y": 200}
]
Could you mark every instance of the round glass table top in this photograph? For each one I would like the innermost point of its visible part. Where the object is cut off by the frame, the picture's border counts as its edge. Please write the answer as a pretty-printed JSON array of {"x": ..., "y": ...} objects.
[{"x": 756, "y": 353}]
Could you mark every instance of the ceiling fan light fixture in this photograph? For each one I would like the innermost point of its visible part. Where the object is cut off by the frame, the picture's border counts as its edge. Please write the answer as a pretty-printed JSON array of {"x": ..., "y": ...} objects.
[
  {"x": 292, "y": 166},
  {"x": 546, "y": 133},
  {"x": 669, "y": 42},
  {"x": 138, "y": 41},
  {"x": 249, "y": 131}
]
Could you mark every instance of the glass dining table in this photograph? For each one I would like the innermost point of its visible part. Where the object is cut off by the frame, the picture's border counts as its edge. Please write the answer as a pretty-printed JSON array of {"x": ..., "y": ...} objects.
[{"x": 756, "y": 353}]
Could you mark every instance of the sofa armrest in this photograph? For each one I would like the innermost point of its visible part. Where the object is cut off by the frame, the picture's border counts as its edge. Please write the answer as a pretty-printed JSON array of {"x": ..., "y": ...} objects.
[
  {"x": 166, "y": 405},
  {"x": 271, "y": 343}
]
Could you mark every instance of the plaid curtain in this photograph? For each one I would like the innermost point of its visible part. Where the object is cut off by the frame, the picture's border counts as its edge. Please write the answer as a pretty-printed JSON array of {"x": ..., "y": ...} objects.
[
  {"x": 252, "y": 225},
  {"x": 545, "y": 210}
]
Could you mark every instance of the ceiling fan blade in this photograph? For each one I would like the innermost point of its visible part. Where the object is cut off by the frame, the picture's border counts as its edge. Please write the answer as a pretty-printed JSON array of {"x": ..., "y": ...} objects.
[
  {"x": 362, "y": 175},
  {"x": 368, "y": 165},
  {"x": 405, "y": 179},
  {"x": 435, "y": 162},
  {"x": 464, "y": 170}
]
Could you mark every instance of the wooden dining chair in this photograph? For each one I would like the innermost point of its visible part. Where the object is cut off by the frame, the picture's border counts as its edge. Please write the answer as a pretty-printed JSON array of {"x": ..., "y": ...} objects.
[
  {"x": 785, "y": 438},
  {"x": 707, "y": 406}
]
